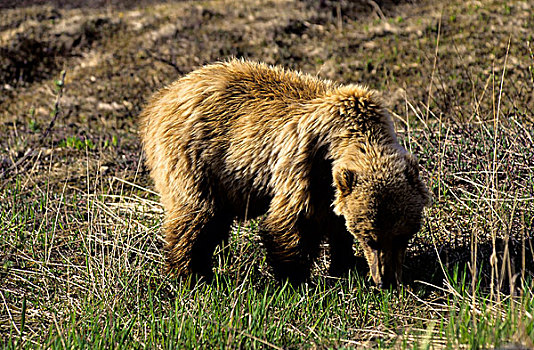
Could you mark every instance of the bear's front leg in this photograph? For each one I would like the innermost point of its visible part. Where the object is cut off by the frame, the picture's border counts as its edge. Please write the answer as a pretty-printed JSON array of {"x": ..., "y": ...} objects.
[{"x": 341, "y": 242}]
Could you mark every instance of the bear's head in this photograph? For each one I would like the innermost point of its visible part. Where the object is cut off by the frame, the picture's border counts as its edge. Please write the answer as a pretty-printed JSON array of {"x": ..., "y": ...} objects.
[{"x": 381, "y": 196}]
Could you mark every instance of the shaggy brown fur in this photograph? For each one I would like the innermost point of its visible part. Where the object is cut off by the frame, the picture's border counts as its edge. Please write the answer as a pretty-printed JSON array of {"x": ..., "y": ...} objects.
[{"x": 240, "y": 139}]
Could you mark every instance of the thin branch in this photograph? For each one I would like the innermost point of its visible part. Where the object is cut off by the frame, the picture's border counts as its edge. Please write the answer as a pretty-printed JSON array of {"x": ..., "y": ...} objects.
[
  {"x": 377, "y": 8},
  {"x": 166, "y": 61},
  {"x": 55, "y": 113}
]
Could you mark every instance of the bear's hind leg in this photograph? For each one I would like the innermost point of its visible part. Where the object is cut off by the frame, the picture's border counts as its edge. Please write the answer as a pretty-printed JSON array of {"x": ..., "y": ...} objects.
[
  {"x": 214, "y": 232},
  {"x": 191, "y": 237},
  {"x": 291, "y": 247}
]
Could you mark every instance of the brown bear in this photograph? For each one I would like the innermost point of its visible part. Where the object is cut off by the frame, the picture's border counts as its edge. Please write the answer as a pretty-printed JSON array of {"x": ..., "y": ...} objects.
[{"x": 240, "y": 139}]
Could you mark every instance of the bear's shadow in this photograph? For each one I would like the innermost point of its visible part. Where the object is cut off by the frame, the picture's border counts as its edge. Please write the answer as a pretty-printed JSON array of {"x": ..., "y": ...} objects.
[{"x": 433, "y": 265}]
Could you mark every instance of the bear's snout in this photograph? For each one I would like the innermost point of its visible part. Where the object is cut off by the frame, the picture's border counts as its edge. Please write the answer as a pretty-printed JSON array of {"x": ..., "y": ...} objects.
[{"x": 385, "y": 263}]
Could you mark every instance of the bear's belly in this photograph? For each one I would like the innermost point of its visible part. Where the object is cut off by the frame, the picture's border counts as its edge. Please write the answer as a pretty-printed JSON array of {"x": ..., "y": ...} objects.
[{"x": 240, "y": 195}]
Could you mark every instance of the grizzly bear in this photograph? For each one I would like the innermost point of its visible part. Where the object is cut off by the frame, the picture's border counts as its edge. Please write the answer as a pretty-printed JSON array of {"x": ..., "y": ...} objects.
[{"x": 321, "y": 160}]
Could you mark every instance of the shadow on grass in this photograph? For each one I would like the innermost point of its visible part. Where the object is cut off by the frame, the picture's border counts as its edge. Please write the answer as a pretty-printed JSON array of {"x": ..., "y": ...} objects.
[{"x": 514, "y": 260}]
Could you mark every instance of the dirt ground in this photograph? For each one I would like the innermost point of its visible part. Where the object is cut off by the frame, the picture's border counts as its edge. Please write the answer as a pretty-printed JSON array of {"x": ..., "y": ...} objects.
[
  {"x": 116, "y": 54},
  {"x": 437, "y": 65}
]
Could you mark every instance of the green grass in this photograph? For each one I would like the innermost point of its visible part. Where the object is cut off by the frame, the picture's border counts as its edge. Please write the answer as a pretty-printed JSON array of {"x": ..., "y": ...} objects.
[{"x": 85, "y": 272}]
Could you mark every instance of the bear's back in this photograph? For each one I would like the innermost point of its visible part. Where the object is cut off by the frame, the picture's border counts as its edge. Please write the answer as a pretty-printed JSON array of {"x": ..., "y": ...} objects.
[
  {"x": 260, "y": 81},
  {"x": 219, "y": 100}
]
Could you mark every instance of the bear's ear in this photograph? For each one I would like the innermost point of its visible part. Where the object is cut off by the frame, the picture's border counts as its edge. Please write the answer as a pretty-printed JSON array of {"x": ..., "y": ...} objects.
[
  {"x": 345, "y": 181},
  {"x": 412, "y": 175}
]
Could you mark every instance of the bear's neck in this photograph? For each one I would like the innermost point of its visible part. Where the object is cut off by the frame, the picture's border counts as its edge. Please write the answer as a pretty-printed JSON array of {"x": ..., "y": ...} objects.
[{"x": 347, "y": 119}]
